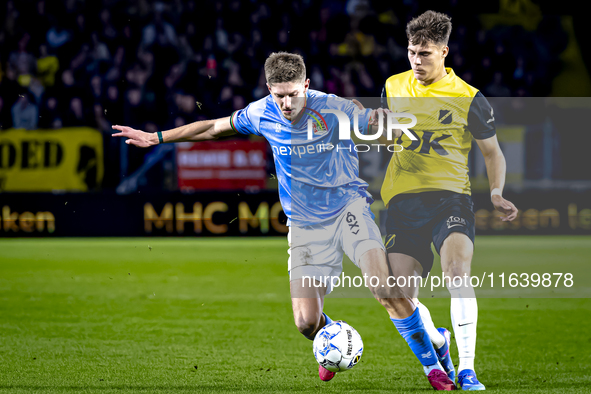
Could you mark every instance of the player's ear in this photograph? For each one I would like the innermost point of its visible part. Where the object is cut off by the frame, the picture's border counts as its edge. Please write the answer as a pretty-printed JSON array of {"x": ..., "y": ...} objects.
[
  {"x": 306, "y": 84},
  {"x": 268, "y": 87},
  {"x": 445, "y": 51}
]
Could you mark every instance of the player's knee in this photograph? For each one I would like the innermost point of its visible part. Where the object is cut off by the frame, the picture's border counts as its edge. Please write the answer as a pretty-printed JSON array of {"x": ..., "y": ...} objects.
[
  {"x": 456, "y": 258},
  {"x": 307, "y": 325},
  {"x": 457, "y": 267},
  {"x": 369, "y": 245},
  {"x": 457, "y": 243}
]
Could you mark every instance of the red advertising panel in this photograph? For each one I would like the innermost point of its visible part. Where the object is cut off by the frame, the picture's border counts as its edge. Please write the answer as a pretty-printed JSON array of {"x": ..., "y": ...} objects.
[{"x": 222, "y": 165}]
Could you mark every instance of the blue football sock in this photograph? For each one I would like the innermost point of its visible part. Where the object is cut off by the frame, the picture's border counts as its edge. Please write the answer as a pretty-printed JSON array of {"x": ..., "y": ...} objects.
[
  {"x": 413, "y": 331},
  {"x": 327, "y": 319}
]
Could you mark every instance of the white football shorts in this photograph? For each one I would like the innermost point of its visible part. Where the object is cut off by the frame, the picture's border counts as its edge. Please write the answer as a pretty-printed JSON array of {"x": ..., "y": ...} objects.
[{"x": 316, "y": 251}]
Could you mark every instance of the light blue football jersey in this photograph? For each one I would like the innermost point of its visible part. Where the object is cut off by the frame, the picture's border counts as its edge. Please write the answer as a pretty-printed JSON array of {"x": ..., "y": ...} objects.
[{"x": 318, "y": 177}]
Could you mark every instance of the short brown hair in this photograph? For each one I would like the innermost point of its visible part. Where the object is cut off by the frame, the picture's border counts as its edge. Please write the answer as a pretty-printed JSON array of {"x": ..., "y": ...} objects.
[
  {"x": 429, "y": 27},
  {"x": 285, "y": 67}
]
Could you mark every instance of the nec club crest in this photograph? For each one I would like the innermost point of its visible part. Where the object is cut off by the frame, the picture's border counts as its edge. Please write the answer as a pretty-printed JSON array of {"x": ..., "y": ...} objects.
[{"x": 445, "y": 116}]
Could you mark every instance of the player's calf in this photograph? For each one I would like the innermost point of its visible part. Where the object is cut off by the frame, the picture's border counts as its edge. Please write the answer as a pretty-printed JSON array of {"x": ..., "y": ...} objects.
[
  {"x": 309, "y": 324},
  {"x": 307, "y": 328},
  {"x": 374, "y": 264},
  {"x": 307, "y": 305}
]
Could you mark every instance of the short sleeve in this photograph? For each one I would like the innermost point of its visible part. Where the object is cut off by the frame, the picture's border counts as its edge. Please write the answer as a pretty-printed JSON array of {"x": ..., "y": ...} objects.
[
  {"x": 481, "y": 120},
  {"x": 246, "y": 121}
]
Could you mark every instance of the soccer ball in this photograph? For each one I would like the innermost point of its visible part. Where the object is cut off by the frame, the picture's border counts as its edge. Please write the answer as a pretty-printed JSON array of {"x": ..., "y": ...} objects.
[{"x": 338, "y": 346}]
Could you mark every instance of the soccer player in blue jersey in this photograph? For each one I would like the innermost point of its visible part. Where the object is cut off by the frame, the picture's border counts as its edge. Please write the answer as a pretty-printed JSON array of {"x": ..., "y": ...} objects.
[{"x": 326, "y": 202}]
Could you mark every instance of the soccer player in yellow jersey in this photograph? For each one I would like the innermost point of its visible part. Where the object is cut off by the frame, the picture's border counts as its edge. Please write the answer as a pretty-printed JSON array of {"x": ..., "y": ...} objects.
[{"x": 427, "y": 189}]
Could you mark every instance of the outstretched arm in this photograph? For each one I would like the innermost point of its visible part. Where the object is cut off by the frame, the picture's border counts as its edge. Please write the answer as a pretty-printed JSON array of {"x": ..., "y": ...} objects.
[
  {"x": 204, "y": 130},
  {"x": 496, "y": 168}
]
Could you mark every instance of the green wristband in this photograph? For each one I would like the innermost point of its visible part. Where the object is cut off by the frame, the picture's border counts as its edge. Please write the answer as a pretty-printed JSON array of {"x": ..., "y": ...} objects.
[{"x": 160, "y": 140}]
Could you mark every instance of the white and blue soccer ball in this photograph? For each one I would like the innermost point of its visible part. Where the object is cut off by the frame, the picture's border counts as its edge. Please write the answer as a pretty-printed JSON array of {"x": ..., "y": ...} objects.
[{"x": 338, "y": 346}]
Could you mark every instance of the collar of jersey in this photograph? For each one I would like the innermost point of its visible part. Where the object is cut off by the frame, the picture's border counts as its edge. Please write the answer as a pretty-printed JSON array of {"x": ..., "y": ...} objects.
[{"x": 442, "y": 81}]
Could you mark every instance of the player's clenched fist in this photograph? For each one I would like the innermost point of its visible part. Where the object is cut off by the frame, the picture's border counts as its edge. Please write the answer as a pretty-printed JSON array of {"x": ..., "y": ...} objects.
[
  {"x": 136, "y": 137},
  {"x": 377, "y": 115}
]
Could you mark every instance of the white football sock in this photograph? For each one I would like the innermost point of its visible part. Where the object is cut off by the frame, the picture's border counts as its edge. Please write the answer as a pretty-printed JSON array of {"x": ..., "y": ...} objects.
[
  {"x": 464, "y": 316},
  {"x": 466, "y": 363},
  {"x": 436, "y": 338}
]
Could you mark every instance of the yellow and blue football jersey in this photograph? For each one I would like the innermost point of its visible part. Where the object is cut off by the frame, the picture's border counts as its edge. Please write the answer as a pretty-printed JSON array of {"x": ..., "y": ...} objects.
[{"x": 449, "y": 113}]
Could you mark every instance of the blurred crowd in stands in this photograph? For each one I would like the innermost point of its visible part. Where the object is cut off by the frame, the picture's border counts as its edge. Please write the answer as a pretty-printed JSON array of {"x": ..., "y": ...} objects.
[{"x": 157, "y": 65}]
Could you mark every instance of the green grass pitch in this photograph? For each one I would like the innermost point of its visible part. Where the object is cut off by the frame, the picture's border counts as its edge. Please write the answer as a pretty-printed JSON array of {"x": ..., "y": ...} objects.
[{"x": 169, "y": 315}]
